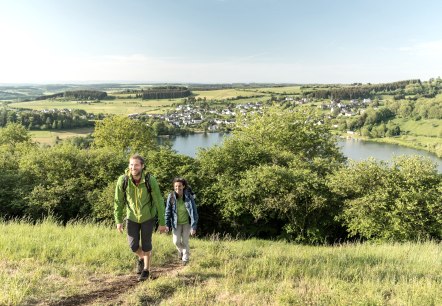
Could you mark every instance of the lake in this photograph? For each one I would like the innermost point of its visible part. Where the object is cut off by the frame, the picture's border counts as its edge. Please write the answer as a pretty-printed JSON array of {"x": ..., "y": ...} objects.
[{"x": 353, "y": 149}]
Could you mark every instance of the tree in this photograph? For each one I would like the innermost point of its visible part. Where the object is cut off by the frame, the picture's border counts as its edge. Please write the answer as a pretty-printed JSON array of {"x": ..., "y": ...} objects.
[
  {"x": 165, "y": 164},
  {"x": 64, "y": 176},
  {"x": 160, "y": 128},
  {"x": 48, "y": 122},
  {"x": 14, "y": 133},
  {"x": 393, "y": 130},
  {"x": 248, "y": 180},
  {"x": 400, "y": 202},
  {"x": 124, "y": 134}
]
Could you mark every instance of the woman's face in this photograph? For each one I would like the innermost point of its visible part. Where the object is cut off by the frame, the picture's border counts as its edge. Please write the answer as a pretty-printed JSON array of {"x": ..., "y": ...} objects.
[{"x": 178, "y": 187}]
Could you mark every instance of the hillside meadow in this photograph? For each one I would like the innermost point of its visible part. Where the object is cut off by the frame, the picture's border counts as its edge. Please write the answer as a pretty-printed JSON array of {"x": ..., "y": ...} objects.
[
  {"x": 289, "y": 90},
  {"x": 125, "y": 103},
  {"x": 50, "y": 137},
  {"x": 117, "y": 107},
  {"x": 428, "y": 127},
  {"x": 221, "y": 94},
  {"x": 85, "y": 263}
]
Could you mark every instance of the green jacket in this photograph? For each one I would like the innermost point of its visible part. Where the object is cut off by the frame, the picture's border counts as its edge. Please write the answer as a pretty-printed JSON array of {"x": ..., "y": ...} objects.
[{"x": 139, "y": 206}]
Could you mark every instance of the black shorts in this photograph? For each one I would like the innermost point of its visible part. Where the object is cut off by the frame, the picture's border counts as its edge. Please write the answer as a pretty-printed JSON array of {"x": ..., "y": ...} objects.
[{"x": 133, "y": 235}]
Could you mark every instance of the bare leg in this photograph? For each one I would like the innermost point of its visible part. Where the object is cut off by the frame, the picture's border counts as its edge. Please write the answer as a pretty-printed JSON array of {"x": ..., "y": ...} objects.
[
  {"x": 147, "y": 258},
  {"x": 140, "y": 253}
]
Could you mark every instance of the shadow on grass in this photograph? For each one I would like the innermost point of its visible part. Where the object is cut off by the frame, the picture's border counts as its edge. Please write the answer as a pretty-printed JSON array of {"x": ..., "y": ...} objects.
[{"x": 106, "y": 293}]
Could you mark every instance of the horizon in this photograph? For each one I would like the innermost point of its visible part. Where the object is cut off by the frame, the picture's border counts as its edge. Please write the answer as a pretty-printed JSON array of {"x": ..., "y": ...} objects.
[
  {"x": 219, "y": 42},
  {"x": 86, "y": 83}
]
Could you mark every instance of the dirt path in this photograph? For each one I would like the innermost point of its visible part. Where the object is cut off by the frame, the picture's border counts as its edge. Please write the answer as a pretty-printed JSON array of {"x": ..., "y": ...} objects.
[{"x": 107, "y": 292}]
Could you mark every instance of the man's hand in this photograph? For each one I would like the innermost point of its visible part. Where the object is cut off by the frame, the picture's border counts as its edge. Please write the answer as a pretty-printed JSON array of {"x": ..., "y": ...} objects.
[
  {"x": 120, "y": 227},
  {"x": 162, "y": 229},
  {"x": 193, "y": 232}
]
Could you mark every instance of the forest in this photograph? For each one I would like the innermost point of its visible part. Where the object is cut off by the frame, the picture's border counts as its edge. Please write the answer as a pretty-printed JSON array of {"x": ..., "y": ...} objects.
[{"x": 279, "y": 176}]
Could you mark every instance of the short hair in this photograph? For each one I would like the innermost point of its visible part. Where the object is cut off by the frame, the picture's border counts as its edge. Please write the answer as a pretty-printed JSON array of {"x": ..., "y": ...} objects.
[{"x": 139, "y": 157}]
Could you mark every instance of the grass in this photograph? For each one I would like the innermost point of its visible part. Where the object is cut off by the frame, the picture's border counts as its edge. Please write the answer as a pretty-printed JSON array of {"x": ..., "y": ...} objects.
[
  {"x": 50, "y": 262},
  {"x": 422, "y": 135},
  {"x": 430, "y": 144},
  {"x": 118, "y": 106},
  {"x": 290, "y": 90},
  {"x": 222, "y": 94},
  {"x": 49, "y": 137},
  {"x": 427, "y": 127}
]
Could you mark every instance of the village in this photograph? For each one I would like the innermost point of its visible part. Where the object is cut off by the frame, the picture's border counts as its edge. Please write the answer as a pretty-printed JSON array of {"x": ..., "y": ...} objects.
[{"x": 216, "y": 119}]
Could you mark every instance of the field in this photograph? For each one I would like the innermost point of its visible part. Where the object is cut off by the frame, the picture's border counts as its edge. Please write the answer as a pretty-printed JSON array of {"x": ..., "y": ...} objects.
[
  {"x": 430, "y": 144},
  {"x": 118, "y": 106},
  {"x": 222, "y": 94},
  {"x": 84, "y": 263},
  {"x": 422, "y": 135},
  {"x": 289, "y": 90},
  {"x": 50, "y": 137},
  {"x": 125, "y": 105},
  {"x": 427, "y": 127}
]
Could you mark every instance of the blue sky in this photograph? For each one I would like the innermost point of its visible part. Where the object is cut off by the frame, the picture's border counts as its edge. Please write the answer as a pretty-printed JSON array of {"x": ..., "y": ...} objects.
[{"x": 219, "y": 41}]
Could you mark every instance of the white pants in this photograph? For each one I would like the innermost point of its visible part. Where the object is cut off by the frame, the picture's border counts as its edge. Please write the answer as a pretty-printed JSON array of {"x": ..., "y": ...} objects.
[{"x": 181, "y": 240}]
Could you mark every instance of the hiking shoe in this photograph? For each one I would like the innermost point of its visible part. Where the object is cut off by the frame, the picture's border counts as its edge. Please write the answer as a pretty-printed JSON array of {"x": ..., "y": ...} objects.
[
  {"x": 185, "y": 262},
  {"x": 143, "y": 276},
  {"x": 140, "y": 266}
]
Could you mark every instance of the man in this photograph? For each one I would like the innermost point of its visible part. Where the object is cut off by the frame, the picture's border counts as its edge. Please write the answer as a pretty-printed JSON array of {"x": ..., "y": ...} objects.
[{"x": 142, "y": 206}]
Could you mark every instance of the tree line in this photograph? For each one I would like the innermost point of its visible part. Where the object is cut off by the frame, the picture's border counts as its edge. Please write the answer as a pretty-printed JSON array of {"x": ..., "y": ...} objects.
[
  {"x": 46, "y": 120},
  {"x": 164, "y": 92},
  {"x": 359, "y": 91},
  {"x": 81, "y": 94},
  {"x": 160, "y": 92},
  {"x": 279, "y": 175},
  {"x": 85, "y": 94}
]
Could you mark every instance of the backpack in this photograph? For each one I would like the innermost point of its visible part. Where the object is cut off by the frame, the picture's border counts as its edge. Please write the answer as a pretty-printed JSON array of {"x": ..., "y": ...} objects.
[
  {"x": 146, "y": 181},
  {"x": 149, "y": 189}
]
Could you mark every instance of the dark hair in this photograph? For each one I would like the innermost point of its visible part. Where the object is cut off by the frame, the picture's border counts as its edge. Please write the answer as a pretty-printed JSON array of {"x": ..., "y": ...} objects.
[
  {"x": 180, "y": 180},
  {"x": 139, "y": 157}
]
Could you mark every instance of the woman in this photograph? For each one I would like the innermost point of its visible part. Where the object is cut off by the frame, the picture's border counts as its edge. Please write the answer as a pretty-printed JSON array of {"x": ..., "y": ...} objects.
[{"x": 181, "y": 217}]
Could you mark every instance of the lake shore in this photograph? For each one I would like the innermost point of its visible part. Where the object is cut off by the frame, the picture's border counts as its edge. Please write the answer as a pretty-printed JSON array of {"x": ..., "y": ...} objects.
[{"x": 428, "y": 144}]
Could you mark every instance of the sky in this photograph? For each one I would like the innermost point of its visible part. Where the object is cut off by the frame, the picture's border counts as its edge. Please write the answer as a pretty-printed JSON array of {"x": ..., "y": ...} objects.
[{"x": 219, "y": 41}]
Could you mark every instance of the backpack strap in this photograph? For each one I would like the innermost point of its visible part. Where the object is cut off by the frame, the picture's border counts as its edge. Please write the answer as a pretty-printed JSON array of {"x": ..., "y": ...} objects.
[
  {"x": 146, "y": 182},
  {"x": 172, "y": 199},
  {"x": 125, "y": 182}
]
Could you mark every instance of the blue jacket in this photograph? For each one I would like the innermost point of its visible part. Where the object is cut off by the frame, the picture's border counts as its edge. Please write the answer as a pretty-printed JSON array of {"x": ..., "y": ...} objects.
[{"x": 171, "y": 215}]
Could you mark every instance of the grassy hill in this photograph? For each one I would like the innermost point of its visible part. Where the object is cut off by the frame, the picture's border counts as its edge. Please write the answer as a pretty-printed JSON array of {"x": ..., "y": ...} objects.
[
  {"x": 118, "y": 107},
  {"x": 83, "y": 263},
  {"x": 51, "y": 137}
]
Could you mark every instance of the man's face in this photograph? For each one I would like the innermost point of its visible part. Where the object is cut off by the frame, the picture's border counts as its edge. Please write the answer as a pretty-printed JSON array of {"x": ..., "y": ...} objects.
[{"x": 135, "y": 167}]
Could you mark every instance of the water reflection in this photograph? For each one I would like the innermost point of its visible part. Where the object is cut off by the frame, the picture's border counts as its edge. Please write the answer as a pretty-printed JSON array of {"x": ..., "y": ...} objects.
[
  {"x": 361, "y": 150},
  {"x": 353, "y": 149}
]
